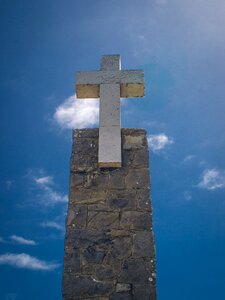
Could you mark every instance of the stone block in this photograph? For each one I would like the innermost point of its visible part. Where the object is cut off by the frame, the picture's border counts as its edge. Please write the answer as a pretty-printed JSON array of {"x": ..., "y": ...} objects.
[
  {"x": 113, "y": 261},
  {"x": 144, "y": 292},
  {"x": 77, "y": 216},
  {"x": 76, "y": 180},
  {"x": 143, "y": 244},
  {"x": 105, "y": 272},
  {"x": 143, "y": 200},
  {"x": 121, "y": 296},
  {"x": 72, "y": 261},
  {"x": 117, "y": 180},
  {"x": 136, "y": 220},
  {"x": 98, "y": 179},
  {"x": 87, "y": 196},
  {"x": 140, "y": 158},
  {"x": 98, "y": 207},
  {"x": 93, "y": 255},
  {"x": 138, "y": 179},
  {"x": 135, "y": 271},
  {"x": 121, "y": 247},
  {"x": 103, "y": 220},
  {"x": 121, "y": 200},
  {"x": 134, "y": 141},
  {"x": 85, "y": 286},
  {"x": 84, "y": 238},
  {"x": 123, "y": 287},
  {"x": 84, "y": 133}
]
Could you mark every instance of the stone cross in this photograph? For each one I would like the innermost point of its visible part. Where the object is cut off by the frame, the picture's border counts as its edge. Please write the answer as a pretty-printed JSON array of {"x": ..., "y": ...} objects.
[{"x": 110, "y": 84}]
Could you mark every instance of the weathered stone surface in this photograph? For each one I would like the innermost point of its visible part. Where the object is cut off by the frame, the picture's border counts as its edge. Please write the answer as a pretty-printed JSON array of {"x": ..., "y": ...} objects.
[
  {"x": 121, "y": 247},
  {"x": 83, "y": 286},
  {"x": 85, "y": 133},
  {"x": 138, "y": 179},
  {"x": 136, "y": 158},
  {"x": 143, "y": 244},
  {"x": 135, "y": 271},
  {"x": 117, "y": 180},
  {"x": 136, "y": 220},
  {"x": 134, "y": 141},
  {"x": 103, "y": 220},
  {"x": 123, "y": 287},
  {"x": 92, "y": 255},
  {"x": 109, "y": 245},
  {"x": 72, "y": 261},
  {"x": 113, "y": 261},
  {"x": 120, "y": 233},
  {"x": 87, "y": 196},
  {"x": 122, "y": 200},
  {"x": 143, "y": 200},
  {"x": 98, "y": 179},
  {"x": 121, "y": 296},
  {"x": 84, "y": 238},
  {"x": 77, "y": 216},
  {"x": 105, "y": 272},
  {"x": 143, "y": 292}
]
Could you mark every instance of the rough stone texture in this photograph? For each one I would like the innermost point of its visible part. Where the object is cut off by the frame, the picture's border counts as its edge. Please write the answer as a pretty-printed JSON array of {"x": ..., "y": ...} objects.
[{"x": 109, "y": 244}]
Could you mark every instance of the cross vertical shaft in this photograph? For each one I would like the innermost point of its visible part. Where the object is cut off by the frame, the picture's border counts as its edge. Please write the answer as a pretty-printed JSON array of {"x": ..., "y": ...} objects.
[{"x": 109, "y": 152}]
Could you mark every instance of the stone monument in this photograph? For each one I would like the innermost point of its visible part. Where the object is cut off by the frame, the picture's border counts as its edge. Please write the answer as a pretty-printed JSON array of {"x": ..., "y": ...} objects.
[{"x": 109, "y": 244}]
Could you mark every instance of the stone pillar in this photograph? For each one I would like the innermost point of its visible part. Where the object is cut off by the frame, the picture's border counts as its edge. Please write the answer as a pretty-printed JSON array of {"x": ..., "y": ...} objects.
[{"x": 109, "y": 244}]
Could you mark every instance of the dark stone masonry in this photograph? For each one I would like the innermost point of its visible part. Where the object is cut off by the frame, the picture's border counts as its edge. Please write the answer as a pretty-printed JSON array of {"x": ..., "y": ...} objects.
[{"x": 109, "y": 244}]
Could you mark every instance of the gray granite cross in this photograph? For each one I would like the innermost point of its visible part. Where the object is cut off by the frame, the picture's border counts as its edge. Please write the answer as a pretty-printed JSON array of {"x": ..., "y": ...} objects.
[{"x": 110, "y": 84}]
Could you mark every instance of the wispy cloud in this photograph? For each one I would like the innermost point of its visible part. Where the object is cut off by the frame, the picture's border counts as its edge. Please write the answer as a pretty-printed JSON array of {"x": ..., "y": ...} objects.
[
  {"x": 53, "y": 224},
  {"x": 45, "y": 180},
  {"x": 77, "y": 113},
  {"x": 22, "y": 241},
  {"x": 25, "y": 261},
  {"x": 189, "y": 158},
  {"x": 212, "y": 179},
  {"x": 48, "y": 195},
  {"x": 158, "y": 142}
]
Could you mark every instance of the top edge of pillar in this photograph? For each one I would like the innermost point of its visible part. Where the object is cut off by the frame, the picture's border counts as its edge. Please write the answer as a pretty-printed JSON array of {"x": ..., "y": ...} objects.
[{"x": 94, "y": 132}]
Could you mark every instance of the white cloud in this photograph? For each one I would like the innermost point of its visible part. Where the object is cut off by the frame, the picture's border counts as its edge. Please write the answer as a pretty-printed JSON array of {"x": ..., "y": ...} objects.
[
  {"x": 48, "y": 195},
  {"x": 45, "y": 180},
  {"x": 22, "y": 241},
  {"x": 77, "y": 113},
  {"x": 212, "y": 179},
  {"x": 53, "y": 224},
  {"x": 25, "y": 261},
  {"x": 158, "y": 142}
]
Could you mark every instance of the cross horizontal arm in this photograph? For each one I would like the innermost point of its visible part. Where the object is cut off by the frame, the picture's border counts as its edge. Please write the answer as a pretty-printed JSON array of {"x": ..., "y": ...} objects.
[{"x": 131, "y": 83}]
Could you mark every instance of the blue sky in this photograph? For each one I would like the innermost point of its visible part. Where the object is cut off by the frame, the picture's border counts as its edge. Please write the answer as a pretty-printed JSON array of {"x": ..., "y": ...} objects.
[{"x": 180, "y": 45}]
